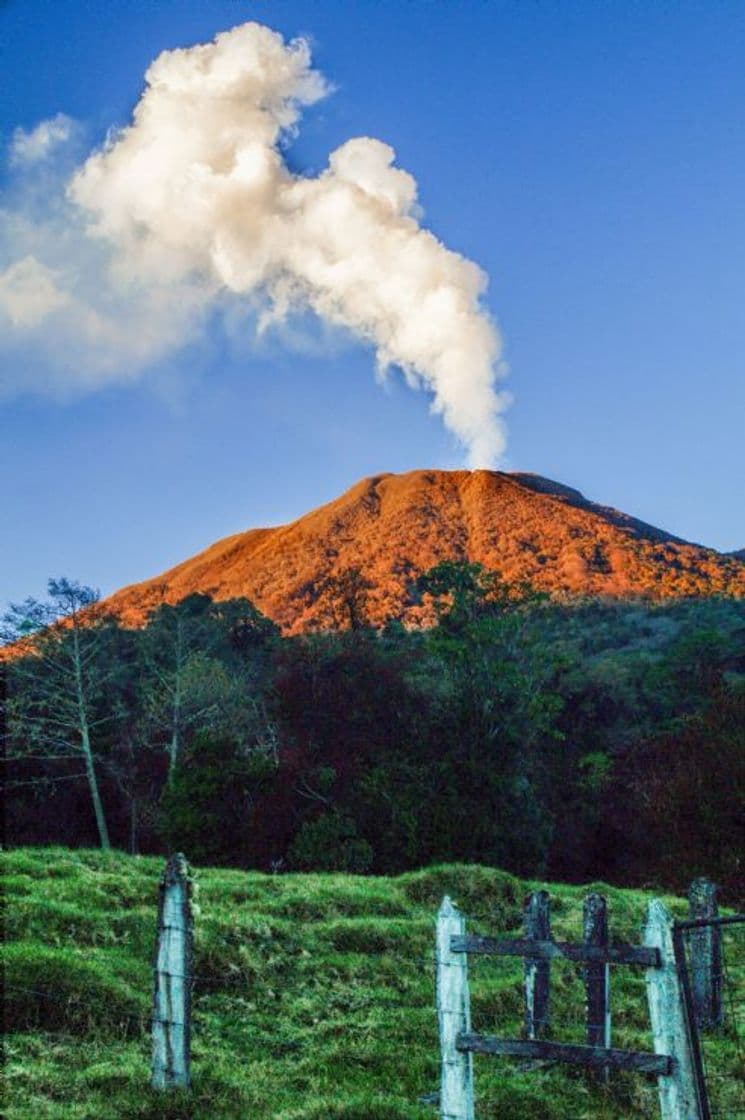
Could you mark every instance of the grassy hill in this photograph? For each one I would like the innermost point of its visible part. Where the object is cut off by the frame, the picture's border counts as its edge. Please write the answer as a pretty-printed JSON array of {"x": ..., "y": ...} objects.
[{"x": 313, "y": 999}]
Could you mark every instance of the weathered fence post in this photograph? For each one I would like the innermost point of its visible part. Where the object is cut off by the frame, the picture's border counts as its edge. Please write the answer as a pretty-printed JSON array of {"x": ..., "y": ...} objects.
[
  {"x": 678, "y": 1095},
  {"x": 453, "y": 1017},
  {"x": 597, "y": 976},
  {"x": 537, "y": 926},
  {"x": 706, "y": 955},
  {"x": 172, "y": 985}
]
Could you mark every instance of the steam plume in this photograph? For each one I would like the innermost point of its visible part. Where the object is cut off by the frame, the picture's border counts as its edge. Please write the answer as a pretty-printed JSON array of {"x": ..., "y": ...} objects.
[{"x": 195, "y": 197}]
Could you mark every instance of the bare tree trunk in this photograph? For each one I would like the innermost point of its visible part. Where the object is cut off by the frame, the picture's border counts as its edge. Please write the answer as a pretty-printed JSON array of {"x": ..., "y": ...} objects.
[
  {"x": 103, "y": 832},
  {"x": 173, "y": 751},
  {"x": 133, "y": 826},
  {"x": 85, "y": 743},
  {"x": 174, "y": 745}
]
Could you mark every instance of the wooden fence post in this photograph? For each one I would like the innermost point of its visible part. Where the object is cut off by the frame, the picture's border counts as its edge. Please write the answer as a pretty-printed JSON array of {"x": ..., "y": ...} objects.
[
  {"x": 597, "y": 976},
  {"x": 678, "y": 1096},
  {"x": 453, "y": 1017},
  {"x": 537, "y": 973},
  {"x": 171, "y": 1024},
  {"x": 706, "y": 955}
]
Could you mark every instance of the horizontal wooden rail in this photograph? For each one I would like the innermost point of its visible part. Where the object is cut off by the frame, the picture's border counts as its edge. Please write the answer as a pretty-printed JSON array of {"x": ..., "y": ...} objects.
[
  {"x": 598, "y": 1056},
  {"x": 551, "y": 950},
  {"x": 697, "y": 923}
]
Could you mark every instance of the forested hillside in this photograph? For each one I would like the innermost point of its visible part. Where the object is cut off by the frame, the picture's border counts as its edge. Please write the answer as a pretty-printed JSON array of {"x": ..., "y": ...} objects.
[{"x": 575, "y": 739}]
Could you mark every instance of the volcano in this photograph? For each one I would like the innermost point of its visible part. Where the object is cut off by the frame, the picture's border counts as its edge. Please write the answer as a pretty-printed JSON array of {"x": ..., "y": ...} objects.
[{"x": 393, "y": 527}]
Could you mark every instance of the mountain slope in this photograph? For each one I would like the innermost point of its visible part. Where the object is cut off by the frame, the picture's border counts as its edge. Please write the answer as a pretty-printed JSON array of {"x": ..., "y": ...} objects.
[{"x": 393, "y": 527}]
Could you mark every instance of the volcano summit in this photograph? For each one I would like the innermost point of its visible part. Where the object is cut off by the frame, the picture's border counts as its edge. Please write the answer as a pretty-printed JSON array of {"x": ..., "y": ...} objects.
[{"x": 393, "y": 527}]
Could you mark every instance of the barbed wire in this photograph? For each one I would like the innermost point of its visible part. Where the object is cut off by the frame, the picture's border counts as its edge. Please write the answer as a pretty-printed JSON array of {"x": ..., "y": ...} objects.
[{"x": 141, "y": 1019}]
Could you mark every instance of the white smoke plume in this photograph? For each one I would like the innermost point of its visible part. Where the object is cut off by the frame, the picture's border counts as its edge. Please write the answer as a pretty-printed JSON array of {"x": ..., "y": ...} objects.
[{"x": 193, "y": 202}]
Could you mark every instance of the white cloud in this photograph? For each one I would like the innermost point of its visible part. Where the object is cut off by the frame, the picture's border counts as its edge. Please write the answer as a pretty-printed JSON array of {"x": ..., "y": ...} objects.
[
  {"x": 193, "y": 204},
  {"x": 29, "y": 293},
  {"x": 38, "y": 144}
]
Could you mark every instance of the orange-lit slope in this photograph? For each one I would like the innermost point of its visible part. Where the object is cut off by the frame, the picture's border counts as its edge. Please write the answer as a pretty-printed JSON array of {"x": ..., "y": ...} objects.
[{"x": 395, "y": 526}]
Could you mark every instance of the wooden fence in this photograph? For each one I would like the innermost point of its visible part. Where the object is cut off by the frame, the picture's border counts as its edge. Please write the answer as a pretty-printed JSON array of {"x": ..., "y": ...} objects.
[
  {"x": 674, "y": 1012},
  {"x": 700, "y": 956},
  {"x": 687, "y": 980},
  {"x": 675, "y": 1008}
]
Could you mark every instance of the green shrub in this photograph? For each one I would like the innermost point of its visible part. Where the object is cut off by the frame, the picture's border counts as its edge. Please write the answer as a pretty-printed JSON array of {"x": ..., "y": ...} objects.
[{"x": 331, "y": 843}]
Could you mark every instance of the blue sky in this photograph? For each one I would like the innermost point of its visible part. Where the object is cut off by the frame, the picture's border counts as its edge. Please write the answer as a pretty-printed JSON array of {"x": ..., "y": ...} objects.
[{"x": 590, "y": 157}]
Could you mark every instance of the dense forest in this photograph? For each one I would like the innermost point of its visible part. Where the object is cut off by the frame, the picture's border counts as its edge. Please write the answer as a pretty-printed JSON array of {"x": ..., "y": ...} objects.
[{"x": 577, "y": 739}]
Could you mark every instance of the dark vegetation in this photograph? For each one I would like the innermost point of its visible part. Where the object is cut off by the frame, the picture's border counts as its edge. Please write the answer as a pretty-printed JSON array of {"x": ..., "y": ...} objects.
[{"x": 568, "y": 739}]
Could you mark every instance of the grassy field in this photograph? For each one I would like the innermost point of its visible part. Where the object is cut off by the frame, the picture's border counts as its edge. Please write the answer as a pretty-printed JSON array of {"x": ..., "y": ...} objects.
[{"x": 313, "y": 998}]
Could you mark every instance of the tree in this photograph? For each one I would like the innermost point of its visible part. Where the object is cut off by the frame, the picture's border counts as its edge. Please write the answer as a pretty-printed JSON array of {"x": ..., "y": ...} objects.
[
  {"x": 344, "y": 596},
  {"x": 132, "y": 760},
  {"x": 676, "y": 799},
  {"x": 198, "y": 658},
  {"x": 490, "y": 679},
  {"x": 461, "y": 591},
  {"x": 56, "y": 677},
  {"x": 174, "y": 637},
  {"x": 208, "y": 808}
]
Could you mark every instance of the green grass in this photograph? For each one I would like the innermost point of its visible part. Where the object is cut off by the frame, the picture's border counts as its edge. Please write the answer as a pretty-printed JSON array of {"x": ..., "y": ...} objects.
[{"x": 313, "y": 1000}]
